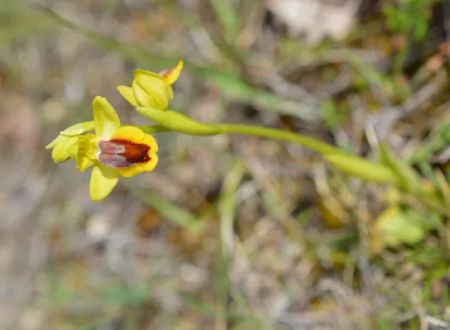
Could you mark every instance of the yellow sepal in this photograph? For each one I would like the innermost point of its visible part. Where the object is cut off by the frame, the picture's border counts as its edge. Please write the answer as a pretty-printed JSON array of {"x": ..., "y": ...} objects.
[
  {"x": 151, "y": 90},
  {"x": 128, "y": 94},
  {"x": 79, "y": 128},
  {"x": 106, "y": 120},
  {"x": 172, "y": 75},
  {"x": 61, "y": 146}
]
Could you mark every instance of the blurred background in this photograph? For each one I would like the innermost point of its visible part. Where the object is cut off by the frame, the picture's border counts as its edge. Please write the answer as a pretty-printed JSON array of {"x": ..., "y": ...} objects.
[{"x": 230, "y": 232}]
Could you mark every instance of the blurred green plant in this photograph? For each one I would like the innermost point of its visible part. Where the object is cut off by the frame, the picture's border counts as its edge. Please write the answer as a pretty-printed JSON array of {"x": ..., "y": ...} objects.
[
  {"x": 228, "y": 18},
  {"x": 171, "y": 211},
  {"x": 410, "y": 21},
  {"x": 19, "y": 22},
  {"x": 409, "y": 17},
  {"x": 150, "y": 94},
  {"x": 402, "y": 225}
]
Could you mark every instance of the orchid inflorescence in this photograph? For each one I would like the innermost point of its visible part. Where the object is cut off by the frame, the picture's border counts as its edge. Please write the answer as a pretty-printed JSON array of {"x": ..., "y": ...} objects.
[{"x": 113, "y": 150}]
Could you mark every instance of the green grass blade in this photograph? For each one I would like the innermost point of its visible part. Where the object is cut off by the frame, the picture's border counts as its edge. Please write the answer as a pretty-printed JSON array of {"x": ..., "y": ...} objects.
[
  {"x": 227, "y": 17},
  {"x": 171, "y": 211}
]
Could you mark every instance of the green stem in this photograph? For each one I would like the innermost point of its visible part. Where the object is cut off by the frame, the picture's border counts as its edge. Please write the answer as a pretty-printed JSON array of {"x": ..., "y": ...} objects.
[
  {"x": 355, "y": 165},
  {"x": 272, "y": 133},
  {"x": 351, "y": 164},
  {"x": 390, "y": 171}
]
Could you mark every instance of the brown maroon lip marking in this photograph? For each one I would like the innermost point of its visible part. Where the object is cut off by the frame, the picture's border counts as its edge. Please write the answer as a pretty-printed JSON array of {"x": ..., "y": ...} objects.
[{"x": 122, "y": 153}]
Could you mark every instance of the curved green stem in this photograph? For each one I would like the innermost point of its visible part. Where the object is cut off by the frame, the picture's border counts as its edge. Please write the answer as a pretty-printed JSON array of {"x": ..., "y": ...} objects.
[
  {"x": 351, "y": 164},
  {"x": 273, "y": 133},
  {"x": 389, "y": 171},
  {"x": 179, "y": 122},
  {"x": 265, "y": 132}
]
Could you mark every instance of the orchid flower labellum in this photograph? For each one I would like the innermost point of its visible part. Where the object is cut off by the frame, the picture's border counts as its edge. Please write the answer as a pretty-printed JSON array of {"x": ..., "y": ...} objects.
[{"x": 113, "y": 150}]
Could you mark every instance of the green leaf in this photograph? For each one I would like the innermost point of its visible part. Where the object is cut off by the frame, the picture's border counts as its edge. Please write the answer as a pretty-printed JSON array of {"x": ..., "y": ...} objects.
[
  {"x": 228, "y": 205},
  {"x": 124, "y": 295},
  {"x": 361, "y": 168},
  {"x": 171, "y": 211},
  {"x": 329, "y": 113},
  {"x": 228, "y": 18},
  {"x": 407, "y": 178},
  {"x": 396, "y": 226},
  {"x": 437, "y": 141},
  {"x": 398, "y": 229}
]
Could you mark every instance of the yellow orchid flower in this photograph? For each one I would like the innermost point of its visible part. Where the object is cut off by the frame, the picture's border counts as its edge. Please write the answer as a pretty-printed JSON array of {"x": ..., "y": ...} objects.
[
  {"x": 150, "y": 89},
  {"x": 113, "y": 150}
]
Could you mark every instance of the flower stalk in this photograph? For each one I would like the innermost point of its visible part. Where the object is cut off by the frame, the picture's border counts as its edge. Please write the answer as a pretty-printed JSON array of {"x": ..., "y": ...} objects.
[
  {"x": 116, "y": 151},
  {"x": 389, "y": 170},
  {"x": 346, "y": 162}
]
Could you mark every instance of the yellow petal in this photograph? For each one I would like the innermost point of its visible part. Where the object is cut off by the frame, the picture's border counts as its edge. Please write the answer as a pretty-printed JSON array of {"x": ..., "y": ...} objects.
[
  {"x": 106, "y": 120},
  {"x": 151, "y": 90},
  {"x": 103, "y": 181},
  {"x": 127, "y": 93},
  {"x": 85, "y": 151},
  {"x": 171, "y": 75},
  {"x": 83, "y": 163},
  {"x": 87, "y": 146},
  {"x": 73, "y": 150}
]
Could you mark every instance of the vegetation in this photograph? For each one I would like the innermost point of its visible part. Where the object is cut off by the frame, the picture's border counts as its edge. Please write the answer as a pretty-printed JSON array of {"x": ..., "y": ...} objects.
[{"x": 243, "y": 228}]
